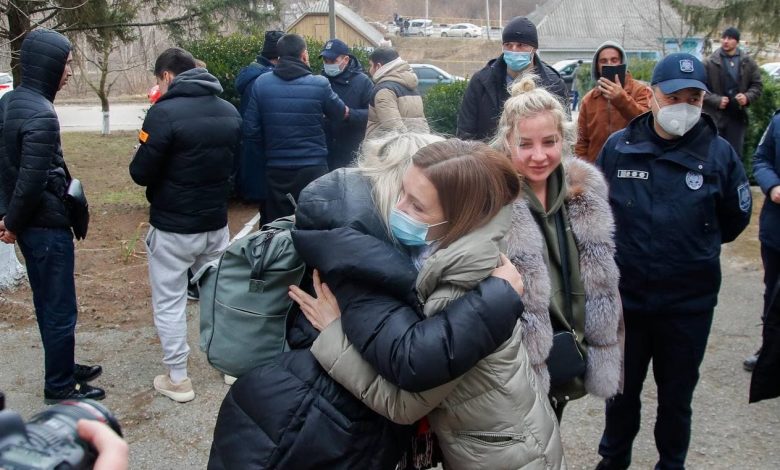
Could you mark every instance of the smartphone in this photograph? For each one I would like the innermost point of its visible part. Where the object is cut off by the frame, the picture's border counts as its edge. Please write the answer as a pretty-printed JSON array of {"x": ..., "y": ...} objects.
[{"x": 609, "y": 72}]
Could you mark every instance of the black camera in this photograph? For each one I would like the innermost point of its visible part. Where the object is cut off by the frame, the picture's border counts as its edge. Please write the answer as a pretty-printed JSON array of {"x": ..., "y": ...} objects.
[{"x": 49, "y": 440}]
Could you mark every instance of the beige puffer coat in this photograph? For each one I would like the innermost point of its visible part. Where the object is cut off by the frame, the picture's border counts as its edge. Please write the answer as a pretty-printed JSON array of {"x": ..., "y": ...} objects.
[
  {"x": 496, "y": 415},
  {"x": 396, "y": 112}
]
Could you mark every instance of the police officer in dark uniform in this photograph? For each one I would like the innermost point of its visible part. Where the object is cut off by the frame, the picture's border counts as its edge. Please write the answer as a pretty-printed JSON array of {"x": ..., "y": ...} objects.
[{"x": 678, "y": 192}]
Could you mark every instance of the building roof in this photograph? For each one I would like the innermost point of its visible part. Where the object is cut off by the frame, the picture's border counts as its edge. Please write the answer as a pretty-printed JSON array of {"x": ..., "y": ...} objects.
[
  {"x": 582, "y": 25},
  {"x": 348, "y": 16}
]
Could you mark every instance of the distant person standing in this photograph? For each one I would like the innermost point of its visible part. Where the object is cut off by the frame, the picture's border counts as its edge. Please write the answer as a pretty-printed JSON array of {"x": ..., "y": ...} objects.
[
  {"x": 395, "y": 105},
  {"x": 488, "y": 89},
  {"x": 285, "y": 118},
  {"x": 250, "y": 164},
  {"x": 354, "y": 87},
  {"x": 734, "y": 81},
  {"x": 33, "y": 180},
  {"x": 186, "y": 148},
  {"x": 610, "y": 105}
]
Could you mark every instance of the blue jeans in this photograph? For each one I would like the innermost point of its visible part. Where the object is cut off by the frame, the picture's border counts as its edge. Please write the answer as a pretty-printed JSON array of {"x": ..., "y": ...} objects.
[
  {"x": 49, "y": 256},
  {"x": 675, "y": 344}
]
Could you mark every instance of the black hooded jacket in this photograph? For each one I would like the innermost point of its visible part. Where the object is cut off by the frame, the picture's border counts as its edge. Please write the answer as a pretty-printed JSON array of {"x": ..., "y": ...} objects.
[
  {"x": 487, "y": 91},
  {"x": 188, "y": 141},
  {"x": 32, "y": 169},
  {"x": 293, "y": 414}
]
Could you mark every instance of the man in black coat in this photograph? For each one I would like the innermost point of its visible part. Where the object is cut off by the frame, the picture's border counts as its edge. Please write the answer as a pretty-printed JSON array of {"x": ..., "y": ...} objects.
[
  {"x": 33, "y": 180},
  {"x": 487, "y": 90},
  {"x": 354, "y": 88},
  {"x": 187, "y": 144}
]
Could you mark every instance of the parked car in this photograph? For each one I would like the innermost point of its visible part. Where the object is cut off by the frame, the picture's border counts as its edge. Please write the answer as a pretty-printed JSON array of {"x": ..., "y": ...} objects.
[
  {"x": 773, "y": 69},
  {"x": 429, "y": 75},
  {"x": 568, "y": 69},
  {"x": 420, "y": 27},
  {"x": 462, "y": 30},
  {"x": 6, "y": 83}
]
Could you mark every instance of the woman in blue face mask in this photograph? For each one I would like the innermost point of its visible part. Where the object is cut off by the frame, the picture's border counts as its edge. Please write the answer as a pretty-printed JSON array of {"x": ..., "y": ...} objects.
[{"x": 300, "y": 415}]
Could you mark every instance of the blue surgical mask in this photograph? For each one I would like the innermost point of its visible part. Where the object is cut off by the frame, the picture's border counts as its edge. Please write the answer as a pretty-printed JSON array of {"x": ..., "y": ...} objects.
[
  {"x": 408, "y": 231},
  {"x": 331, "y": 70},
  {"x": 517, "y": 61}
]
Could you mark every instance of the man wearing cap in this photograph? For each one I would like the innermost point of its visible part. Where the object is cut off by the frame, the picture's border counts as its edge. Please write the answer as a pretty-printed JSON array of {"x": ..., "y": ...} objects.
[
  {"x": 678, "y": 191},
  {"x": 610, "y": 105},
  {"x": 487, "y": 90},
  {"x": 353, "y": 86},
  {"x": 249, "y": 174},
  {"x": 734, "y": 83},
  {"x": 285, "y": 118}
]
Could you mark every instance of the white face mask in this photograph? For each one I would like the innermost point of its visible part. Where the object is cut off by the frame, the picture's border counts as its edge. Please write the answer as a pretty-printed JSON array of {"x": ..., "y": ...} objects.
[{"x": 677, "y": 119}]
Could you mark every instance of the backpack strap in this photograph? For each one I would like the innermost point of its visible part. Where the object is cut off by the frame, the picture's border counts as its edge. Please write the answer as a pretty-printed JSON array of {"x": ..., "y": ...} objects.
[{"x": 395, "y": 87}]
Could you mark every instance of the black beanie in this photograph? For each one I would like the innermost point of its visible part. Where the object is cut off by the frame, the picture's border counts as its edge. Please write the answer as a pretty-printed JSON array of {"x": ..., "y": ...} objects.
[
  {"x": 520, "y": 29},
  {"x": 269, "y": 44},
  {"x": 731, "y": 32}
]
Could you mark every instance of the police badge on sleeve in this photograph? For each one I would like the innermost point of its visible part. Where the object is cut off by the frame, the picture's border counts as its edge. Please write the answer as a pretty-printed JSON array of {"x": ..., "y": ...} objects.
[
  {"x": 694, "y": 180},
  {"x": 745, "y": 199}
]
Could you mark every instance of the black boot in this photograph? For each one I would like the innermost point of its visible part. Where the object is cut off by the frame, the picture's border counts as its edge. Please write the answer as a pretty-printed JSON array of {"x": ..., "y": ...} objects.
[{"x": 79, "y": 392}]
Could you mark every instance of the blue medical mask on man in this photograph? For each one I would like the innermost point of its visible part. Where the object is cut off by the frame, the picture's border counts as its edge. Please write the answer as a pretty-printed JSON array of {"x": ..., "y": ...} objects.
[
  {"x": 518, "y": 61},
  {"x": 409, "y": 231},
  {"x": 332, "y": 70}
]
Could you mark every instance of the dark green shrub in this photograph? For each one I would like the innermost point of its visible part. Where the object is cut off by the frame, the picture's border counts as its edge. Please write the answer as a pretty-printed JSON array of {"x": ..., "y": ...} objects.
[
  {"x": 760, "y": 112},
  {"x": 441, "y": 106}
]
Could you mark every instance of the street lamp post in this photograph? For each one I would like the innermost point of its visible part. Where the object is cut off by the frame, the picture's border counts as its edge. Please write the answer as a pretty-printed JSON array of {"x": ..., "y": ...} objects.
[{"x": 487, "y": 18}]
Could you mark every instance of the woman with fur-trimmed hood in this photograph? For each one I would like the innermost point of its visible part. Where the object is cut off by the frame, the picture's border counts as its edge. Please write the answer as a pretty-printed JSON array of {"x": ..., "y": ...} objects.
[{"x": 561, "y": 241}]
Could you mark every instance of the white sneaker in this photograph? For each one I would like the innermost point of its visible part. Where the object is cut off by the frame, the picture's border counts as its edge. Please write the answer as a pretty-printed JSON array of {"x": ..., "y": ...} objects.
[
  {"x": 229, "y": 379},
  {"x": 181, "y": 392}
]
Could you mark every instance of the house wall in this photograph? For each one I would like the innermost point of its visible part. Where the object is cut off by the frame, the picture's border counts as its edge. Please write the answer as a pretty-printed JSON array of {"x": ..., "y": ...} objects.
[{"x": 316, "y": 26}]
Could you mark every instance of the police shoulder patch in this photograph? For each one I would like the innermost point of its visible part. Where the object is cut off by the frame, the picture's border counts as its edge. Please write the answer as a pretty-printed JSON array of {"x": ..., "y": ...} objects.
[
  {"x": 143, "y": 136},
  {"x": 745, "y": 199}
]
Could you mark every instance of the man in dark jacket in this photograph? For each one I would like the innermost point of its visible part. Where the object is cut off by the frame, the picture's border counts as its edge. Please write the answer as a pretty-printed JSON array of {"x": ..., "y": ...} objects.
[
  {"x": 285, "y": 119},
  {"x": 678, "y": 191},
  {"x": 33, "y": 180},
  {"x": 250, "y": 166},
  {"x": 187, "y": 144},
  {"x": 354, "y": 88},
  {"x": 766, "y": 169},
  {"x": 487, "y": 90},
  {"x": 734, "y": 82}
]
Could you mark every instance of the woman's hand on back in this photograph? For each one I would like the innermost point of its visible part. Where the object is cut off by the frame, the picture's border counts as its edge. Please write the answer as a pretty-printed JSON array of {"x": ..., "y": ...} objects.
[
  {"x": 508, "y": 272},
  {"x": 320, "y": 310}
]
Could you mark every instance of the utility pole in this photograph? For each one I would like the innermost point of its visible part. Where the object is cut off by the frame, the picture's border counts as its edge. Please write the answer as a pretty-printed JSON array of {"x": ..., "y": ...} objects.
[
  {"x": 426, "y": 9},
  {"x": 500, "y": 13},
  {"x": 487, "y": 18},
  {"x": 332, "y": 18}
]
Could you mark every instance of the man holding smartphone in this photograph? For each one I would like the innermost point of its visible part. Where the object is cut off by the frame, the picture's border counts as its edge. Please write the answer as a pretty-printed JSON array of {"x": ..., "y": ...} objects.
[{"x": 615, "y": 100}]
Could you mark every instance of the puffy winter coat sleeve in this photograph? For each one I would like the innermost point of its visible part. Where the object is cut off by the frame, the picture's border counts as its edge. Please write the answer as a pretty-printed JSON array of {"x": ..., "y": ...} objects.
[
  {"x": 344, "y": 363},
  {"x": 468, "y": 113},
  {"x": 39, "y": 137},
  {"x": 387, "y": 113},
  {"x": 419, "y": 353},
  {"x": 332, "y": 105},
  {"x": 766, "y": 155},
  {"x": 155, "y": 139},
  {"x": 358, "y": 116},
  {"x": 734, "y": 209}
]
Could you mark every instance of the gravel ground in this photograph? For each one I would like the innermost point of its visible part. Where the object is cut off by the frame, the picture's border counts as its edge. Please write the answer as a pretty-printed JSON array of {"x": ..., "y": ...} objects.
[{"x": 727, "y": 433}]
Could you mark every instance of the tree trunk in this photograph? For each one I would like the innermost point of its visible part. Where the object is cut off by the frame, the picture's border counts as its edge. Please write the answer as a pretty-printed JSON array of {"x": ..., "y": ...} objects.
[
  {"x": 11, "y": 272},
  {"x": 18, "y": 26}
]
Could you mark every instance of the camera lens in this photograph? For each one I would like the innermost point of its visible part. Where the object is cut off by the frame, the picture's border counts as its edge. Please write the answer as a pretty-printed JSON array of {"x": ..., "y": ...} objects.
[{"x": 57, "y": 424}]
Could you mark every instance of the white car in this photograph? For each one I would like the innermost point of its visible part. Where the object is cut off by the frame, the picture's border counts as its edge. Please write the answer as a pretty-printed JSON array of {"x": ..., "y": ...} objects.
[
  {"x": 462, "y": 30},
  {"x": 772, "y": 68},
  {"x": 6, "y": 83}
]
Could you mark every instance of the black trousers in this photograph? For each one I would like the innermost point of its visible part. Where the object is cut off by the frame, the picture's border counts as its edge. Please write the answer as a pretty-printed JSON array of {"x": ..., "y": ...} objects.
[
  {"x": 675, "y": 344},
  {"x": 283, "y": 181},
  {"x": 770, "y": 258},
  {"x": 733, "y": 128}
]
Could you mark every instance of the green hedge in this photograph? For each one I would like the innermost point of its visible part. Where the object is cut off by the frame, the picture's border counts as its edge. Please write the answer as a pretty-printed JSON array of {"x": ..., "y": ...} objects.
[
  {"x": 225, "y": 56},
  {"x": 441, "y": 106}
]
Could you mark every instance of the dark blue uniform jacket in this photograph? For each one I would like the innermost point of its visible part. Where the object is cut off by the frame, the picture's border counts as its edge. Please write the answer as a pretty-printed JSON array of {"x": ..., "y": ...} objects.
[
  {"x": 766, "y": 170},
  {"x": 675, "y": 203}
]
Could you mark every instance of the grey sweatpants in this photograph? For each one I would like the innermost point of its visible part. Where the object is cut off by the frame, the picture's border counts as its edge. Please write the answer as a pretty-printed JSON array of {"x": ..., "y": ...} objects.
[{"x": 170, "y": 255}]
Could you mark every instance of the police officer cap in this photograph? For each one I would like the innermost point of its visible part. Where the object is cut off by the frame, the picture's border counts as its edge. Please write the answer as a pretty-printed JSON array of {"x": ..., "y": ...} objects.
[
  {"x": 333, "y": 49},
  {"x": 677, "y": 71}
]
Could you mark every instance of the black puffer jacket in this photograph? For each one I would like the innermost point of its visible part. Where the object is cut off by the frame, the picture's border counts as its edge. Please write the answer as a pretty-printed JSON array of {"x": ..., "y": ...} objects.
[
  {"x": 487, "y": 91},
  {"x": 188, "y": 141},
  {"x": 32, "y": 175},
  {"x": 291, "y": 414}
]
